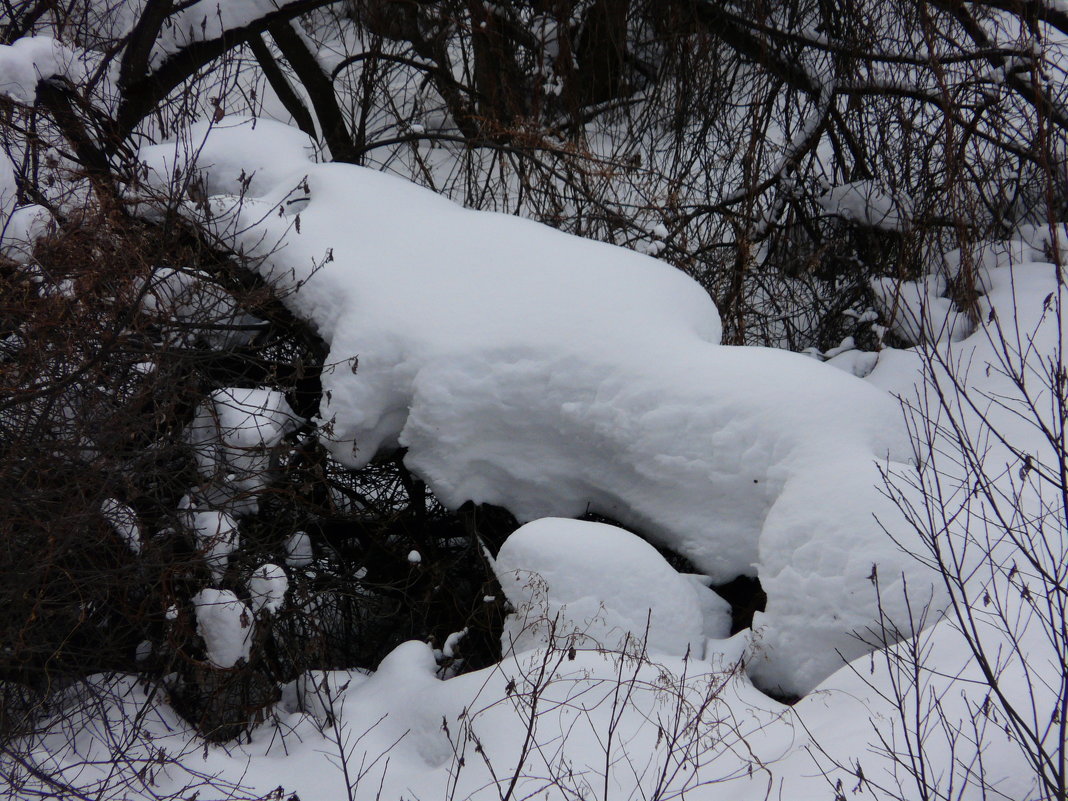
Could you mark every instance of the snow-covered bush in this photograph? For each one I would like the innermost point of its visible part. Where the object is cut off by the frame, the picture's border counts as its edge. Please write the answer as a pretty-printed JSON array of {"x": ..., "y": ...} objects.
[
  {"x": 267, "y": 416},
  {"x": 988, "y": 503}
]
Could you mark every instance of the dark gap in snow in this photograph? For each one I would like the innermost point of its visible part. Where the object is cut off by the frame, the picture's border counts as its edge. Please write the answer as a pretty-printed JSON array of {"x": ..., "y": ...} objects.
[
  {"x": 491, "y": 525},
  {"x": 777, "y": 694},
  {"x": 746, "y": 598}
]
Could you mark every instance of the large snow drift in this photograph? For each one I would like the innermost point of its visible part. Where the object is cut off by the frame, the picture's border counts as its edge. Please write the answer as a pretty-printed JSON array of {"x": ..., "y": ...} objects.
[{"x": 554, "y": 376}]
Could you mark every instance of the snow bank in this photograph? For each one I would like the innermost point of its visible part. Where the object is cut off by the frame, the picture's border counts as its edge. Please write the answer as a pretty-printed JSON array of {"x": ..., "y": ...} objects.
[
  {"x": 946, "y": 717},
  {"x": 553, "y": 375},
  {"x": 998, "y": 512},
  {"x": 604, "y": 725},
  {"x": 594, "y": 585},
  {"x": 672, "y": 729}
]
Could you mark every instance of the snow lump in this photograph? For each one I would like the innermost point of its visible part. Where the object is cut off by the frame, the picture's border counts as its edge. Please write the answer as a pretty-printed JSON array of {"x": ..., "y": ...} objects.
[
  {"x": 225, "y": 624},
  {"x": 595, "y": 585}
]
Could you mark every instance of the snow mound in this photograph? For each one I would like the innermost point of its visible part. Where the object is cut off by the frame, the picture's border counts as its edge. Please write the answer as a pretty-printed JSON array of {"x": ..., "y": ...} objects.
[
  {"x": 217, "y": 537},
  {"x": 865, "y": 203},
  {"x": 29, "y": 60},
  {"x": 917, "y": 311},
  {"x": 233, "y": 435},
  {"x": 553, "y": 376},
  {"x": 8, "y": 194},
  {"x": 24, "y": 227},
  {"x": 267, "y": 588},
  {"x": 594, "y": 585},
  {"x": 225, "y": 625},
  {"x": 299, "y": 551},
  {"x": 207, "y": 311},
  {"x": 227, "y": 161}
]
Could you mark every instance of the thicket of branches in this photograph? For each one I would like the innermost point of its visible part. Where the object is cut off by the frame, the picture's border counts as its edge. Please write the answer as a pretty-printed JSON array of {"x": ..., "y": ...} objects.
[{"x": 783, "y": 154}]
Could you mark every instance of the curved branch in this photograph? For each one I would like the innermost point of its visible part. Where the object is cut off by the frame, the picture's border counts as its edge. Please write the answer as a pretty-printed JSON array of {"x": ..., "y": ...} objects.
[
  {"x": 320, "y": 90},
  {"x": 144, "y": 94},
  {"x": 278, "y": 81}
]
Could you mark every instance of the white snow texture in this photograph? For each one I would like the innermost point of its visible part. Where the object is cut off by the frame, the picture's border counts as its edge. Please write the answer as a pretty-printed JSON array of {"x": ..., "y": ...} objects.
[
  {"x": 267, "y": 588},
  {"x": 233, "y": 435},
  {"x": 28, "y": 60},
  {"x": 594, "y": 585}
]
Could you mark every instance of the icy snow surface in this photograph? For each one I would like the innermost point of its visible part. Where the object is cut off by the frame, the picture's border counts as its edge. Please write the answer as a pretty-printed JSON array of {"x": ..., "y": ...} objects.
[{"x": 554, "y": 376}]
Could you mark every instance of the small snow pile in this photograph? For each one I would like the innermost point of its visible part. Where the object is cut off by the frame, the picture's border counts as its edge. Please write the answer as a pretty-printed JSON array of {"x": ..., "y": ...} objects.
[
  {"x": 451, "y": 648},
  {"x": 217, "y": 537},
  {"x": 553, "y": 376},
  {"x": 865, "y": 203},
  {"x": 1048, "y": 243},
  {"x": 982, "y": 259},
  {"x": 29, "y": 60},
  {"x": 227, "y": 161},
  {"x": 267, "y": 588},
  {"x": 225, "y": 625},
  {"x": 123, "y": 521},
  {"x": 918, "y": 311},
  {"x": 593, "y": 585},
  {"x": 299, "y": 551},
  {"x": 205, "y": 310},
  {"x": 233, "y": 435},
  {"x": 922, "y": 312},
  {"x": 24, "y": 226}
]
